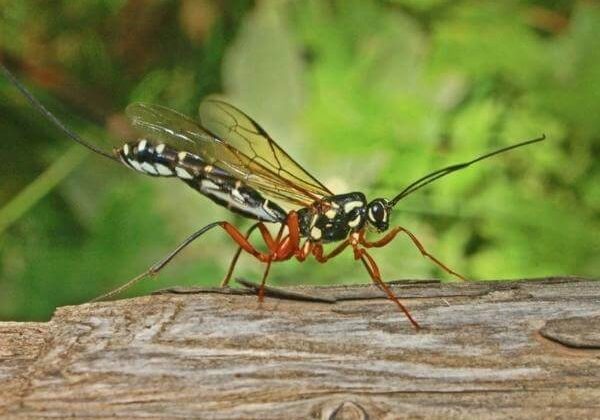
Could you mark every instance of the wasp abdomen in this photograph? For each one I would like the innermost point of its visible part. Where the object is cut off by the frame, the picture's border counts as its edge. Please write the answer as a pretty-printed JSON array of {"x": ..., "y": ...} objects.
[
  {"x": 212, "y": 181},
  {"x": 159, "y": 160}
]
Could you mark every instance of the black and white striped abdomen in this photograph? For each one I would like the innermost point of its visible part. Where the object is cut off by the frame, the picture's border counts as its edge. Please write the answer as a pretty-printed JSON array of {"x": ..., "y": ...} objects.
[{"x": 162, "y": 160}]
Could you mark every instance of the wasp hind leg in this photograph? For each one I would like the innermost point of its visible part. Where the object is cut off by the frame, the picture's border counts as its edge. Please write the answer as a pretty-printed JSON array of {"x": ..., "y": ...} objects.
[
  {"x": 231, "y": 230},
  {"x": 156, "y": 267}
]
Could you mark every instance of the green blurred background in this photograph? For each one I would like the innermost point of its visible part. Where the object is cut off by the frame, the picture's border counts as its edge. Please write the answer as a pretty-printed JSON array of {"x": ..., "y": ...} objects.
[{"x": 368, "y": 95}]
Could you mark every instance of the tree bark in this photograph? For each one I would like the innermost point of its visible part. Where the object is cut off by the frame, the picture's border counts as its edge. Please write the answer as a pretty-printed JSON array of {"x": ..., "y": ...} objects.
[{"x": 518, "y": 349}]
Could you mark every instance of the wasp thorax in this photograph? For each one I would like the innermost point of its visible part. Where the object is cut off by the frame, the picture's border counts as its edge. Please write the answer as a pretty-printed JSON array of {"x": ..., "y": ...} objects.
[{"x": 378, "y": 212}]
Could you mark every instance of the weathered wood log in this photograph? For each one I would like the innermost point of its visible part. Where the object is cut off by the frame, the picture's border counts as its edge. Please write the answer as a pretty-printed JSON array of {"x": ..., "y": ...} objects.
[{"x": 525, "y": 349}]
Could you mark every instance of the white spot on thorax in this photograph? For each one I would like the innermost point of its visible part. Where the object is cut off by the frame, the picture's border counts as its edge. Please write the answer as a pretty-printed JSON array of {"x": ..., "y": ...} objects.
[
  {"x": 142, "y": 145},
  {"x": 160, "y": 148},
  {"x": 354, "y": 222},
  {"x": 315, "y": 233},
  {"x": 314, "y": 219},
  {"x": 348, "y": 207},
  {"x": 330, "y": 214},
  {"x": 125, "y": 149},
  {"x": 181, "y": 156}
]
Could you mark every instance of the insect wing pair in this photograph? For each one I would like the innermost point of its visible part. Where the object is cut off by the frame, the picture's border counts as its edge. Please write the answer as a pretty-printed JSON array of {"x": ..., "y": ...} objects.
[{"x": 227, "y": 138}]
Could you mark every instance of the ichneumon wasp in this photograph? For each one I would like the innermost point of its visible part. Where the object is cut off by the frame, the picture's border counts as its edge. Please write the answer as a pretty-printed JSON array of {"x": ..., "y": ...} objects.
[{"x": 226, "y": 156}]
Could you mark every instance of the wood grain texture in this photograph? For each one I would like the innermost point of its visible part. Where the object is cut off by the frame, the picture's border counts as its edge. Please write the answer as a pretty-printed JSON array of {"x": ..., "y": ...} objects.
[{"x": 519, "y": 349}]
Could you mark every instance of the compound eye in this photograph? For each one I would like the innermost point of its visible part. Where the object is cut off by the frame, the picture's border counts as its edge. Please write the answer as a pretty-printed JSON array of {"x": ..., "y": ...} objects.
[{"x": 377, "y": 212}]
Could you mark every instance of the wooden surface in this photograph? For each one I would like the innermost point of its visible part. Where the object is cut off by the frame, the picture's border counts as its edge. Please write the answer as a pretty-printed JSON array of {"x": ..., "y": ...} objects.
[{"x": 526, "y": 349}]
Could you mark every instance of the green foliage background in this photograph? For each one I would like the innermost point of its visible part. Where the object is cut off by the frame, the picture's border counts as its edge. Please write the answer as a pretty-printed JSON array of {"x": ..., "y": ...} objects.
[{"x": 368, "y": 95}]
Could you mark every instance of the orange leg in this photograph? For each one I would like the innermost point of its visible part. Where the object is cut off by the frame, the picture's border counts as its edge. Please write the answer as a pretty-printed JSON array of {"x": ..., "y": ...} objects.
[
  {"x": 261, "y": 289},
  {"x": 373, "y": 271},
  {"x": 391, "y": 235},
  {"x": 368, "y": 262},
  {"x": 273, "y": 245},
  {"x": 304, "y": 251},
  {"x": 289, "y": 246},
  {"x": 233, "y": 232},
  {"x": 279, "y": 250},
  {"x": 236, "y": 256},
  {"x": 268, "y": 238},
  {"x": 318, "y": 251},
  {"x": 241, "y": 240}
]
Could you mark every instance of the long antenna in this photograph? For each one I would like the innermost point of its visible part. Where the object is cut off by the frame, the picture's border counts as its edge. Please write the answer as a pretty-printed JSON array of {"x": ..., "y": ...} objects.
[
  {"x": 421, "y": 182},
  {"x": 50, "y": 116}
]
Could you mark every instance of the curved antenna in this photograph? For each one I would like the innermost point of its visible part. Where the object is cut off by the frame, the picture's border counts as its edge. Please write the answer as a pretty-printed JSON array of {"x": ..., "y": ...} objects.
[
  {"x": 50, "y": 116},
  {"x": 429, "y": 178}
]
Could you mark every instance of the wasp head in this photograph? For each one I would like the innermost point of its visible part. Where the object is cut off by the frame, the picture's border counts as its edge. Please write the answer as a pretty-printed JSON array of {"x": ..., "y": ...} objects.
[{"x": 378, "y": 214}]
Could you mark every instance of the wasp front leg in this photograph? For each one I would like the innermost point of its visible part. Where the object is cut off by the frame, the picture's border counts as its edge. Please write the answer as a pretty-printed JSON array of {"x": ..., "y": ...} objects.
[
  {"x": 373, "y": 270},
  {"x": 354, "y": 241},
  {"x": 392, "y": 235}
]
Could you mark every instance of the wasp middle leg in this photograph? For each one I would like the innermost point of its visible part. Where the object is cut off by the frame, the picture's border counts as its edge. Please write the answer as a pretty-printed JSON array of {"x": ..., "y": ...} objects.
[
  {"x": 359, "y": 254},
  {"x": 236, "y": 257}
]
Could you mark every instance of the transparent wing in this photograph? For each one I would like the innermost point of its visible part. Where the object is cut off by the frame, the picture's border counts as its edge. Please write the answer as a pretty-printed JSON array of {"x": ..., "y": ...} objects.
[
  {"x": 165, "y": 125},
  {"x": 232, "y": 141},
  {"x": 253, "y": 153}
]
